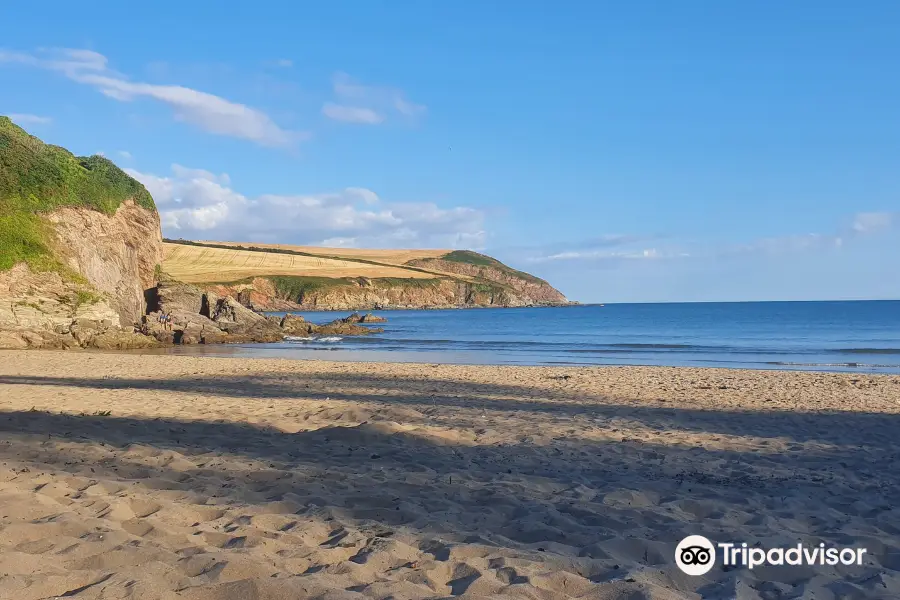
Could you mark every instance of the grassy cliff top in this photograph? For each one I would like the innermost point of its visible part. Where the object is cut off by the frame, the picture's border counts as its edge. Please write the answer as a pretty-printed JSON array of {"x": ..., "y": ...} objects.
[
  {"x": 482, "y": 260},
  {"x": 36, "y": 177}
]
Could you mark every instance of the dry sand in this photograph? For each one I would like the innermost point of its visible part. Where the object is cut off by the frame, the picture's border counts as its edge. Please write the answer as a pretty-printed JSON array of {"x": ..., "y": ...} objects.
[{"x": 146, "y": 477}]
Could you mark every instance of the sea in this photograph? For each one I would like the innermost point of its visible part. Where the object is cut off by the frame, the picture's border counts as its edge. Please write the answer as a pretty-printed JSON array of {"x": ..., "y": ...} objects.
[{"x": 856, "y": 336}]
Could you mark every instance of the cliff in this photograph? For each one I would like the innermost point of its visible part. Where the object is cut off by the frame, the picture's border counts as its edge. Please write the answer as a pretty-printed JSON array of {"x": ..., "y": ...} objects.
[
  {"x": 361, "y": 293},
  {"x": 80, "y": 245},
  {"x": 531, "y": 289},
  {"x": 459, "y": 279},
  {"x": 81, "y": 258},
  {"x": 285, "y": 277}
]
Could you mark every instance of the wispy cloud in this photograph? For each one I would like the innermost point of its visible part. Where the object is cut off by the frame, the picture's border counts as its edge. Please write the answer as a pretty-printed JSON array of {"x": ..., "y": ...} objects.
[
  {"x": 352, "y": 114},
  {"x": 27, "y": 119},
  {"x": 861, "y": 224},
  {"x": 607, "y": 255},
  {"x": 209, "y": 112},
  {"x": 866, "y": 223},
  {"x": 608, "y": 247},
  {"x": 368, "y": 104},
  {"x": 125, "y": 154},
  {"x": 195, "y": 203},
  {"x": 782, "y": 245},
  {"x": 623, "y": 248}
]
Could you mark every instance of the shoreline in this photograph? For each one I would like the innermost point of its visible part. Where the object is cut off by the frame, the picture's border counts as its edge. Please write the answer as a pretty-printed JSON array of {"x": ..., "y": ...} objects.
[
  {"x": 302, "y": 309},
  {"x": 261, "y": 351},
  {"x": 208, "y": 478}
]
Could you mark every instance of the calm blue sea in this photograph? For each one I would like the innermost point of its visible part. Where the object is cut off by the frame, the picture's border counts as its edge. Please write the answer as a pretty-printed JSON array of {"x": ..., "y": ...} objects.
[{"x": 858, "y": 336}]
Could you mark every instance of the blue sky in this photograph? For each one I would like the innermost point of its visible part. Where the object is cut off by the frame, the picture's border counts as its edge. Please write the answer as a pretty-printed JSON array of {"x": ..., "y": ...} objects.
[{"x": 647, "y": 151}]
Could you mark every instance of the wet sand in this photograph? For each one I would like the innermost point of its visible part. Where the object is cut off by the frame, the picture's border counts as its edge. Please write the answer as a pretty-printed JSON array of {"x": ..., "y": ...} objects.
[{"x": 127, "y": 476}]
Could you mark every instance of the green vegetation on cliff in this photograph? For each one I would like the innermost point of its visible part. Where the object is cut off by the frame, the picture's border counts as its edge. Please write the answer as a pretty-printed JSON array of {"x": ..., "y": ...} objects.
[
  {"x": 475, "y": 259},
  {"x": 294, "y": 287},
  {"x": 472, "y": 258},
  {"x": 36, "y": 177}
]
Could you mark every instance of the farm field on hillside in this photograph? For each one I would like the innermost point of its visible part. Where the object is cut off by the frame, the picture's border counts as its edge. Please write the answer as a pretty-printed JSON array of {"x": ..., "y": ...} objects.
[
  {"x": 198, "y": 264},
  {"x": 397, "y": 256}
]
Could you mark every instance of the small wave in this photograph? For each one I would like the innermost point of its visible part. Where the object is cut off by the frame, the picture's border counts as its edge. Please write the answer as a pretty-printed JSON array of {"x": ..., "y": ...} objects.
[
  {"x": 855, "y": 365},
  {"x": 869, "y": 350},
  {"x": 661, "y": 346},
  {"x": 327, "y": 339}
]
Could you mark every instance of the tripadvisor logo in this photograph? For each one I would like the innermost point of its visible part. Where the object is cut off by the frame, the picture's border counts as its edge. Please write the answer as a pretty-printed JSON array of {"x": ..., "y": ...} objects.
[{"x": 696, "y": 555}]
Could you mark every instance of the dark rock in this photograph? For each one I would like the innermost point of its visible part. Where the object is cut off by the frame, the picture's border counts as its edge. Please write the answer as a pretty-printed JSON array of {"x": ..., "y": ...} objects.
[
  {"x": 190, "y": 316},
  {"x": 340, "y": 327},
  {"x": 367, "y": 318},
  {"x": 174, "y": 296},
  {"x": 370, "y": 318},
  {"x": 296, "y": 325},
  {"x": 80, "y": 333}
]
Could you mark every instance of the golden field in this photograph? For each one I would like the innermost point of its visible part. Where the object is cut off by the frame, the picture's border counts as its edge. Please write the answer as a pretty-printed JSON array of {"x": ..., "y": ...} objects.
[
  {"x": 395, "y": 256},
  {"x": 197, "y": 264}
]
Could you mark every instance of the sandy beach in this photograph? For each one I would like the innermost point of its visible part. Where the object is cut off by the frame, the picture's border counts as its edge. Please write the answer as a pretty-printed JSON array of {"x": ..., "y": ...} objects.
[{"x": 131, "y": 476}]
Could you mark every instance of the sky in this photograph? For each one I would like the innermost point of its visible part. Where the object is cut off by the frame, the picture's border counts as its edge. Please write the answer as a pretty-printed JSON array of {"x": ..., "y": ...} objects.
[{"x": 647, "y": 151}]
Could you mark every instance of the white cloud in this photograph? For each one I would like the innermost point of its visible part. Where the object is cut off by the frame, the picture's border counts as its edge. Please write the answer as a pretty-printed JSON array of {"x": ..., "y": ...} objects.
[
  {"x": 787, "y": 244},
  {"x": 125, "y": 154},
  {"x": 195, "y": 203},
  {"x": 864, "y": 223},
  {"x": 873, "y": 222},
  {"x": 607, "y": 255},
  {"x": 339, "y": 242},
  {"x": 27, "y": 119},
  {"x": 351, "y": 114},
  {"x": 620, "y": 248},
  {"x": 207, "y": 111},
  {"x": 368, "y": 104}
]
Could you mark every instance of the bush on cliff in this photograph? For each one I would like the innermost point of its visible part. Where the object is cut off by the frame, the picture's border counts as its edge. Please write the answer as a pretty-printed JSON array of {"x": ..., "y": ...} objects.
[{"x": 36, "y": 177}]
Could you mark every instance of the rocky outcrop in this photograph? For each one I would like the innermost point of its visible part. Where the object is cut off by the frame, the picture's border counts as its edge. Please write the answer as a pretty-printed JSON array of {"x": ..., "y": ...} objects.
[
  {"x": 341, "y": 327},
  {"x": 525, "y": 287},
  {"x": 80, "y": 333},
  {"x": 110, "y": 262},
  {"x": 295, "y": 325},
  {"x": 45, "y": 310},
  {"x": 187, "y": 315},
  {"x": 258, "y": 293},
  {"x": 80, "y": 246},
  {"x": 362, "y": 293},
  {"x": 117, "y": 255},
  {"x": 457, "y": 279},
  {"x": 366, "y": 318}
]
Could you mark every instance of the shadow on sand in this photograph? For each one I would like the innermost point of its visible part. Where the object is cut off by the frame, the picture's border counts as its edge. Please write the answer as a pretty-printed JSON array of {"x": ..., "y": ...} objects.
[{"x": 572, "y": 496}]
